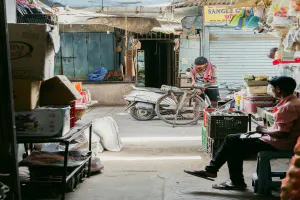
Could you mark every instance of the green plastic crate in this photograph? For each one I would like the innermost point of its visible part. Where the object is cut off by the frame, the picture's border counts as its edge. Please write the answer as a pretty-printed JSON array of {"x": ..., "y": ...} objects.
[{"x": 204, "y": 137}]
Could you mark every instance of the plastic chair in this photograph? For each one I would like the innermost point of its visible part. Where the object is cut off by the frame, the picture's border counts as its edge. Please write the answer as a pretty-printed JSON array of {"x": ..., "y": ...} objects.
[{"x": 262, "y": 179}]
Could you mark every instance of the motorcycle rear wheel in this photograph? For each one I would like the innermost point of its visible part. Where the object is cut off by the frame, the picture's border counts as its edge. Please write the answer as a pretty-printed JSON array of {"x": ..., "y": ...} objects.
[{"x": 142, "y": 115}]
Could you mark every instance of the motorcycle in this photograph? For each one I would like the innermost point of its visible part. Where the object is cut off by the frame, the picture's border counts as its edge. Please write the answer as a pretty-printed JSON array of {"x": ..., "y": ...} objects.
[{"x": 141, "y": 102}]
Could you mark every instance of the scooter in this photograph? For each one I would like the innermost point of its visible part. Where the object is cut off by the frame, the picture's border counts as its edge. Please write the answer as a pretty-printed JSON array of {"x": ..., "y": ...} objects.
[{"x": 141, "y": 102}]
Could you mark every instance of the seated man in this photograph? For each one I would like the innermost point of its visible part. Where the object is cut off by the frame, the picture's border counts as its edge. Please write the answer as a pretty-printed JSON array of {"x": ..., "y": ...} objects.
[{"x": 283, "y": 136}]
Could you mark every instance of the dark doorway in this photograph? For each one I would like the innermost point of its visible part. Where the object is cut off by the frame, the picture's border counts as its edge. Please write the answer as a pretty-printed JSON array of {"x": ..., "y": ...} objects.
[{"x": 159, "y": 62}]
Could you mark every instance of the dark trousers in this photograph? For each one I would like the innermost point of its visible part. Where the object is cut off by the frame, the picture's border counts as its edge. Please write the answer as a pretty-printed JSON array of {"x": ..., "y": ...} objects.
[{"x": 233, "y": 151}]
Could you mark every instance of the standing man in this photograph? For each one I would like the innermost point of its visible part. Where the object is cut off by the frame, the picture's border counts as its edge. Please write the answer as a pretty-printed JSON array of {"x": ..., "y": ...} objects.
[
  {"x": 204, "y": 73},
  {"x": 282, "y": 136}
]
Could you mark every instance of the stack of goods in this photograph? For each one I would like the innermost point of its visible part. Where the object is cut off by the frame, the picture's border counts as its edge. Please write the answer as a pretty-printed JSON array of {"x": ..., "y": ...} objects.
[
  {"x": 257, "y": 93},
  {"x": 82, "y": 104},
  {"x": 43, "y": 108},
  {"x": 42, "y": 101},
  {"x": 218, "y": 124},
  {"x": 291, "y": 184}
]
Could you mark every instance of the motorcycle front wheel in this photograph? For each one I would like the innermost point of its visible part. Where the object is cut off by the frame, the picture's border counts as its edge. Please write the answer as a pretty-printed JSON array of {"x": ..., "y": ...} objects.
[{"x": 141, "y": 114}]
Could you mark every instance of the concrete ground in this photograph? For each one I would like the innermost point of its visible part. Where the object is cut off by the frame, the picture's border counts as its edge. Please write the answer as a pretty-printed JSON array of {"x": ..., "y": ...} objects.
[{"x": 151, "y": 164}]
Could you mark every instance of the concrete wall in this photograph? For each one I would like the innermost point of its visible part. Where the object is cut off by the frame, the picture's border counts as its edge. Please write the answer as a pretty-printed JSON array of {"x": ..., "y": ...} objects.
[
  {"x": 11, "y": 12},
  {"x": 109, "y": 94}
]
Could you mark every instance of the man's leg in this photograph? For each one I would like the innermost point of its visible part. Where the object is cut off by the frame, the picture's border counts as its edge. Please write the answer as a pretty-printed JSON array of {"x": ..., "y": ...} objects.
[
  {"x": 229, "y": 146},
  {"x": 220, "y": 159},
  {"x": 233, "y": 151},
  {"x": 245, "y": 148}
]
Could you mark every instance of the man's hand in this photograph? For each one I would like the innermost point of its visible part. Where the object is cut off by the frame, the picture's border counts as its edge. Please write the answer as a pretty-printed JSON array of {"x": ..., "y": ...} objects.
[{"x": 261, "y": 129}]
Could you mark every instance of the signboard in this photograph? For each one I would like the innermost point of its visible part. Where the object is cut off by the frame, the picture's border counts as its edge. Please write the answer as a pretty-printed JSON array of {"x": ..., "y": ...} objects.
[
  {"x": 219, "y": 14},
  {"x": 141, "y": 68}
]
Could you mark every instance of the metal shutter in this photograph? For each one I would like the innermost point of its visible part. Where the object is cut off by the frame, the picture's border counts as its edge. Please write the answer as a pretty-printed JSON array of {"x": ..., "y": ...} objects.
[{"x": 237, "y": 53}]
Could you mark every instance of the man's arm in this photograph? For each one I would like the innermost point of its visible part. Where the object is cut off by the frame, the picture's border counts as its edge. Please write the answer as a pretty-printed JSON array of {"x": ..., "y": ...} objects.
[
  {"x": 192, "y": 75},
  {"x": 275, "y": 133},
  {"x": 284, "y": 121}
]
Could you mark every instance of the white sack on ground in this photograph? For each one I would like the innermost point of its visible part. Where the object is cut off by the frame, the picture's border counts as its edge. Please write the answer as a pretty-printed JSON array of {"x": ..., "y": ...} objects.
[
  {"x": 108, "y": 131},
  {"x": 96, "y": 144}
]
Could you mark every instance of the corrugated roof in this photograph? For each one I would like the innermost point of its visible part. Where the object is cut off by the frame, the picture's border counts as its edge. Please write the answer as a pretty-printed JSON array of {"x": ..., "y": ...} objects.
[
  {"x": 237, "y": 3},
  {"x": 188, "y": 3}
]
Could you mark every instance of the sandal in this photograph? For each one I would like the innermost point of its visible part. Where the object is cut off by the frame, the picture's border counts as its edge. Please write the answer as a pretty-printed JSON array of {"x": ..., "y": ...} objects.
[
  {"x": 202, "y": 174},
  {"x": 230, "y": 186}
]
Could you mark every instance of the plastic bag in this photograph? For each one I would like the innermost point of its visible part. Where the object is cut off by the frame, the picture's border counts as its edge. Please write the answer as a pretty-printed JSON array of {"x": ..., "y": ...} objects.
[
  {"x": 283, "y": 9},
  {"x": 294, "y": 9},
  {"x": 260, "y": 12},
  {"x": 274, "y": 8},
  {"x": 252, "y": 21},
  {"x": 235, "y": 20},
  {"x": 98, "y": 75},
  {"x": 54, "y": 159},
  {"x": 289, "y": 40},
  {"x": 241, "y": 24},
  {"x": 280, "y": 16},
  {"x": 96, "y": 165}
]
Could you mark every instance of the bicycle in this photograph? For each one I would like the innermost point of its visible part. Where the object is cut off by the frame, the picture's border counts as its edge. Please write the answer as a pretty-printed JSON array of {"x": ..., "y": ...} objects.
[{"x": 182, "y": 107}]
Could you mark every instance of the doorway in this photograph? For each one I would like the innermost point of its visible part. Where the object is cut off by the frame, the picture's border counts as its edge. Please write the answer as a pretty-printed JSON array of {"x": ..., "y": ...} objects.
[{"x": 159, "y": 62}]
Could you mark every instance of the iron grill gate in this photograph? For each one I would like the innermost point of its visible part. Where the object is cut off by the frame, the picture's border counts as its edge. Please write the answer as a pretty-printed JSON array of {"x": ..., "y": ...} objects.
[{"x": 237, "y": 53}]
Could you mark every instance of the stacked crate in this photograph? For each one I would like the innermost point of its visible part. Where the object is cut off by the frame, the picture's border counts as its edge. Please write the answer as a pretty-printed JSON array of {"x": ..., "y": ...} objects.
[
  {"x": 218, "y": 127},
  {"x": 257, "y": 93}
]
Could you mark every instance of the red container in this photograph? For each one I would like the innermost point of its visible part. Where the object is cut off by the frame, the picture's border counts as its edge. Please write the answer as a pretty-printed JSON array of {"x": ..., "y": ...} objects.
[
  {"x": 251, "y": 106},
  {"x": 83, "y": 98},
  {"x": 72, "y": 114},
  {"x": 205, "y": 111}
]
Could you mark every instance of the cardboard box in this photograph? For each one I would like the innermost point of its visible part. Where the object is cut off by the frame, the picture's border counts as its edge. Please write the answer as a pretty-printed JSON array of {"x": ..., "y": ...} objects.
[
  {"x": 185, "y": 81},
  {"x": 257, "y": 90},
  {"x": 26, "y": 94},
  {"x": 32, "y": 50},
  {"x": 43, "y": 122},
  {"x": 58, "y": 91}
]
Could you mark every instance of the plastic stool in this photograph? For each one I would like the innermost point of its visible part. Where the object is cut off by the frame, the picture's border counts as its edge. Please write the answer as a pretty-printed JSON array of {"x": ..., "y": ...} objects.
[{"x": 262, "y": 179}]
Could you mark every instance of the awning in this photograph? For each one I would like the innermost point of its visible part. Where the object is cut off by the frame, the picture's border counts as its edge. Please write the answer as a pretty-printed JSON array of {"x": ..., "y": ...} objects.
[
  {"x": 107, "y": 3},
  {"x": 231, "y": 3},
  {"x": 136, "y": 25}
]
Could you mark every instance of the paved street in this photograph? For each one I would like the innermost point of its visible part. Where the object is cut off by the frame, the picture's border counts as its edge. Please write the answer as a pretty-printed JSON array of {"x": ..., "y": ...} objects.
[{"x": 151, "y": 165}]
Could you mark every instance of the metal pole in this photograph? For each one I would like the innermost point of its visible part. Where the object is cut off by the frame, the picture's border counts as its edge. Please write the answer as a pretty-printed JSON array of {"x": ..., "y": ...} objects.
[{"x": 8, "y": 144}]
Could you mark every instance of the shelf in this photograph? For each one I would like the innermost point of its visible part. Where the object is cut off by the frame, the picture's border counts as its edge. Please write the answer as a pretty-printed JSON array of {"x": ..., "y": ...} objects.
[
  {"x": 66, "y": 139},
  {"x": 279, "y": 61},
  {"x": 72, "y": 134}
]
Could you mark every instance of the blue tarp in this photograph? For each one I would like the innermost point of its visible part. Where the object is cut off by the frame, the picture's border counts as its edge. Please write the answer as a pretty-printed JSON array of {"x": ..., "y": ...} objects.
[{"x": 98, "y": 75}]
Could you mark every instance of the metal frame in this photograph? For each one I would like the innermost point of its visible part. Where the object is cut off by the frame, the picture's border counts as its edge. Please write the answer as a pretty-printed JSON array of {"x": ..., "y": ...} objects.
[
  {"x": 156, "y": 36},
  {"x": 65, "y": 140},
  {"x": 8, "y": 147}
]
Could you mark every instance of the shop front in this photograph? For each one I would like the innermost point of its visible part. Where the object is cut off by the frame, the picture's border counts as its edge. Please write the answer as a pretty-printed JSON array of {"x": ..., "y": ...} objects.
[{"x": 235, "y": 52}]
